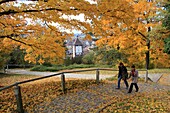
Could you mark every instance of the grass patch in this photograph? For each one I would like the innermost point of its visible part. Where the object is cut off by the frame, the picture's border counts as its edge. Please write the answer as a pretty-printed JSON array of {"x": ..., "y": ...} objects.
[
  {"x": 159, "y": 71},
  {"x": 60, "y": 67},
  {"x": 63, "y": 67},
  {"x": 8, "y": 79}
]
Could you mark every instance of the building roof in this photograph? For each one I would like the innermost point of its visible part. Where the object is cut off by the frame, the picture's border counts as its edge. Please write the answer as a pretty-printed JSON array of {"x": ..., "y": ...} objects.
[{"x": 77, "y": 42}]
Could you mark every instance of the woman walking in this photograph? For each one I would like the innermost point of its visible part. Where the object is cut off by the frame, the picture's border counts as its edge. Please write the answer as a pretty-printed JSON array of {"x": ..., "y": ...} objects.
[{"x": 134, "y": 75}]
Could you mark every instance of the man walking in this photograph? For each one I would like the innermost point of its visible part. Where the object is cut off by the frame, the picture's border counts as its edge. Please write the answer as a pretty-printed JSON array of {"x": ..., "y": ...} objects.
[{"x": 121, "y": 75}]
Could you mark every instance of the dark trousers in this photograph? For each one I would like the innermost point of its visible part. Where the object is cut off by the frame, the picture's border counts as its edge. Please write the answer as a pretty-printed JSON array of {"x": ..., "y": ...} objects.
[
  {"x": 131, "y": 87},
  {"x": 125, "y": 81}
]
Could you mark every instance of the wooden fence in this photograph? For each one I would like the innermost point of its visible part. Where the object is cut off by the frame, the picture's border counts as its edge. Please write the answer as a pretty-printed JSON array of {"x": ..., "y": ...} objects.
[{"x": 17, "y": 88}]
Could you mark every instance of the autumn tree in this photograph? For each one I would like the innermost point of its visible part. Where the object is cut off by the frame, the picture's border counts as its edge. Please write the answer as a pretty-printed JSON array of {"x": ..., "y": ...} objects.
[
  {"x": 137, "y": 33},
  {"x": 114, "y": 22},
  {"x": 166, "y": 23},
  {"x": 38, "y": 37}
]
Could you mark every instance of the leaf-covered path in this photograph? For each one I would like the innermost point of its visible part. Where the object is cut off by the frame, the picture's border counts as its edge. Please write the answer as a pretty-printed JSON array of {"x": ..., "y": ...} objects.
[{"x": 99, "y": 97}]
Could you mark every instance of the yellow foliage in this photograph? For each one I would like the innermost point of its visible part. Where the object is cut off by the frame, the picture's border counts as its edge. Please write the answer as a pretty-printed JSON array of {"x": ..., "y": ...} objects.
[
  {"x": 88, "y": 37},
  {"x": 41, "y": 61},
  {"x": 132, "y": 37},
  {"x": 118, "y": 22}
]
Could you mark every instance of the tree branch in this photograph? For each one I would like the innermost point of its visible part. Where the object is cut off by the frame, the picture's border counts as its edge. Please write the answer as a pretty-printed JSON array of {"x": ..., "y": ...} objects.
[
  {"x": 27, "y": 11},
  {"x": 10, "y": 37},
  {"x": 19, "y": 41},
  {"x": 138, "y": 32},
  {"x": 142, "y": 35}
]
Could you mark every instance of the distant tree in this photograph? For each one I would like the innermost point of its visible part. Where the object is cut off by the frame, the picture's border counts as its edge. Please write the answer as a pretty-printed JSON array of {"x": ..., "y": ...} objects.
[
  {"x": 167, "y": 45},
  {"x": 109, "y": 56},
  {"x": 88, "y": 58},
  {"x": 17, "y": 57},
  {"x": 166, "y": 23}
]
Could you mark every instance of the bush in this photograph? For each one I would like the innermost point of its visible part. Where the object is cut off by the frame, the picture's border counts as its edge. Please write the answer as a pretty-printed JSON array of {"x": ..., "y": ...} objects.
[
  {"x": 38, "y": 68},
  {"x": 77, "y": 60},
  {"x": 68, "y": 61},
  {"x": 79, "y": 66},
  {"x": 59, "y": 67},
  {"x": 63, "y": 67},
  {"x": 88, "y": 58},
  {"x": 47, "y": 64}
]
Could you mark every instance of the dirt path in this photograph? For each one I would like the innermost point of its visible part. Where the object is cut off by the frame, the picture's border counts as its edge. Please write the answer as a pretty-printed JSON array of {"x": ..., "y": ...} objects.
[
  {"x": 165, "y": 79},
  {"x": 67, "y": 75},
  {"x": 153, "y": 76}
]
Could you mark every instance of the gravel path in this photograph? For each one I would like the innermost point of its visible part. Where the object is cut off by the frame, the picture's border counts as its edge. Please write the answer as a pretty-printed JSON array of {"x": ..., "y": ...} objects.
[
  {"x": 67, "y": 75},
  {"x": 153, "y": 76},
  {"x": 87, "y": 101}
]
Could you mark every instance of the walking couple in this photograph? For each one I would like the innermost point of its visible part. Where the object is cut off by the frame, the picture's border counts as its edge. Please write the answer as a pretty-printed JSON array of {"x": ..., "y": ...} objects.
[{"x": 123, "y": 74}]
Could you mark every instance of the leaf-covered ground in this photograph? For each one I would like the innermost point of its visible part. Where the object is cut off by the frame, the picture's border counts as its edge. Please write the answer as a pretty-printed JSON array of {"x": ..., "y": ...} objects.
[
  {"x": 38, "y": 92},
  {"x": 105, "y": 98},
  {"x": 84, "y": 96}
]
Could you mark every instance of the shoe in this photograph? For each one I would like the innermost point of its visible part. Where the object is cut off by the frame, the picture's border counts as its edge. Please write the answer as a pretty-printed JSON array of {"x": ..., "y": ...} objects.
[
  {"x": 129, "y": 92},
  {"x": 137, "y": 91},
  {"x": 126, "y": 87},
  {"x": 117, "y": 88}
]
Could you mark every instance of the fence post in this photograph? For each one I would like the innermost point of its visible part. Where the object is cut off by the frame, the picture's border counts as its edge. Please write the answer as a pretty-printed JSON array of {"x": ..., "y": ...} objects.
[
  {"x": 97, "y": 76},
  {"x": 4, "y": 69},
  {"x": 18, "y": 96},
  {"x": 63, "y": 83},
  {"x": 7, "y": 67}
]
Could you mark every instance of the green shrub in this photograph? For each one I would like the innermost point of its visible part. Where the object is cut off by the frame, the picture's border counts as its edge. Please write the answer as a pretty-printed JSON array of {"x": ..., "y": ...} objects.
[
  {"x": 67, "y": 61},
  {"x": 88, "y": 58},
  {"x": 47, "y": 64},
  {"x": 77, "y": 60},
  {"x": 38, "y": 68},
  {"x": 59, "y": 67},
  {"x": 79, "y": 66}
]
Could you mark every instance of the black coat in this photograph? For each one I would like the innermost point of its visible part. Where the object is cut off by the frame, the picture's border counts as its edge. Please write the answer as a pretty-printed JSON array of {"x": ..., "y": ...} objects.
[{"x": 122, "y": 69}]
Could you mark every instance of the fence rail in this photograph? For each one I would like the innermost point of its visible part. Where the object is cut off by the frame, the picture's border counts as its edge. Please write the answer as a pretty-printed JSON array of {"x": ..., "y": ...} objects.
[{"x": 17, "y": 89}]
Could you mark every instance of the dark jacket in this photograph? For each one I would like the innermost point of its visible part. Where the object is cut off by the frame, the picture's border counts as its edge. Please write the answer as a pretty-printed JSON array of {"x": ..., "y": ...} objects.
[{"x": 122, "y": 70}]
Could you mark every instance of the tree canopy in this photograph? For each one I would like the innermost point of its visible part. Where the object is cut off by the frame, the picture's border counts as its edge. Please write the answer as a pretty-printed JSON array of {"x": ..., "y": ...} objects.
[{"x": 115, "y": 22}]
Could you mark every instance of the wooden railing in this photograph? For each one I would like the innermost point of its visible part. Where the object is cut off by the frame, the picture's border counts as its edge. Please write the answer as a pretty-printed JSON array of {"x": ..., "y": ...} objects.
[{"x": 17, "y": 88}]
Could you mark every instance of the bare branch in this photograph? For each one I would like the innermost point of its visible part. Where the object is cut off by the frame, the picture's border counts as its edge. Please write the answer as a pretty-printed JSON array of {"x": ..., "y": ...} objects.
[
  {"x": 19, "y": 41},
  {"x": 27, "y": 11},
  {"x": 10, "y": 37},
  {"x": 138, "y": 32},
  {"x": 142, "y": 35}
]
